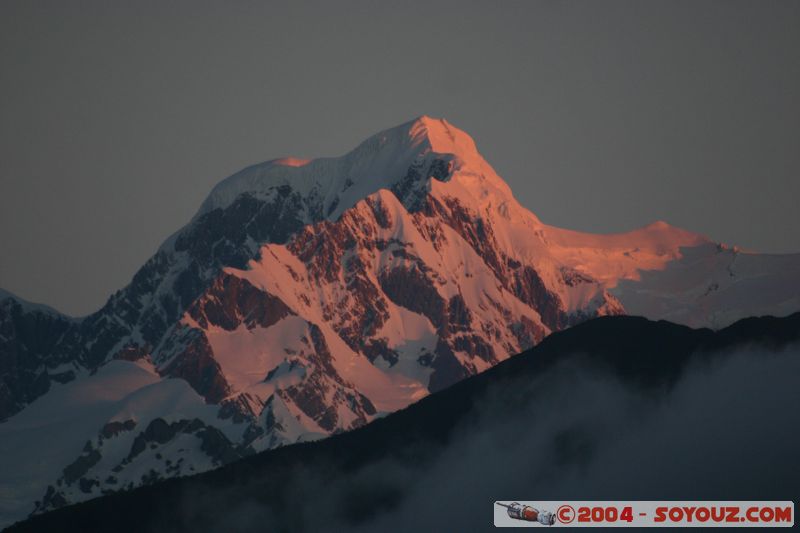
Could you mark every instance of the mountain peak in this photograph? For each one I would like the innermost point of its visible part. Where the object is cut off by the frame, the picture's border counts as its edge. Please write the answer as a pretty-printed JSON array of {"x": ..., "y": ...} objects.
[
  {"x": 9, "y": 297},
  {"x": 394, "y": 157},
  {"x": 309, "y": 297},
  {"x": 442, "y": 136}
]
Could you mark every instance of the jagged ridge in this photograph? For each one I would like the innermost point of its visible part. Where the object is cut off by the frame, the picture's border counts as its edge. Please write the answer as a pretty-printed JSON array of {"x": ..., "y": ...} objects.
[{"x": 306, "y": 298}]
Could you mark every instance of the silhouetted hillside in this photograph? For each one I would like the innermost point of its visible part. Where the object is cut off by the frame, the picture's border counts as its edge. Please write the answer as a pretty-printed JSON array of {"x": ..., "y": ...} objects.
[{"x": 616, "y": 407}]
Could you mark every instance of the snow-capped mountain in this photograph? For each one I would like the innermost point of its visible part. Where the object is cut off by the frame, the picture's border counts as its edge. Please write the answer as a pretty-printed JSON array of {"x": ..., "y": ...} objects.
[{"x": 307, "y": 297}]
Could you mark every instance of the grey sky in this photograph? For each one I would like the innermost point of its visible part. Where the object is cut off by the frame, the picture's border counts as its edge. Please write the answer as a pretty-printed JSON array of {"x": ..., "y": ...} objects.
[{"x": 118, "y": 118}]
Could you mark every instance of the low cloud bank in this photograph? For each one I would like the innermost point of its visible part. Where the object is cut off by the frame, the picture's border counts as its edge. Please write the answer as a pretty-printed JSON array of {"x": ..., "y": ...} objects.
[{"x": 725, "y": 430}]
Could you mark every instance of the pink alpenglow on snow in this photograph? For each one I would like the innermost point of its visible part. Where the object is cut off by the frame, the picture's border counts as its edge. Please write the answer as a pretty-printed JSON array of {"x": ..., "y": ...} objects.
[
  {"x": 291, "y": 162},
  {"x": 310, "y": 296}
]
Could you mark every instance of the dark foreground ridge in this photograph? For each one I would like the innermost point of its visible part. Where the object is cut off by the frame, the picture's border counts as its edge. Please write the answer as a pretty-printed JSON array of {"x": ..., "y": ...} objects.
[{"x": 552, "y": 418}]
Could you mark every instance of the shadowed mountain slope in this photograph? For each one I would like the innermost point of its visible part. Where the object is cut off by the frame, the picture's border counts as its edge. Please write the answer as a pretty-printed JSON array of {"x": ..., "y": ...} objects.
[{"x": 557, "y": 421}]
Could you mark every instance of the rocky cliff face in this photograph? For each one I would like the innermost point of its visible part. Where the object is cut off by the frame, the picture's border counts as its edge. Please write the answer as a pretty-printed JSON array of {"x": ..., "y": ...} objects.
[{"x": 308, "y": 297}]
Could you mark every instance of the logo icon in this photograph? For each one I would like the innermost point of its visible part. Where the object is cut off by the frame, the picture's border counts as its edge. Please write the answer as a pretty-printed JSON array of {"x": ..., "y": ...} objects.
[
  {"x": 518, "y": 511},
  {"x": 565, "y": 514}
]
